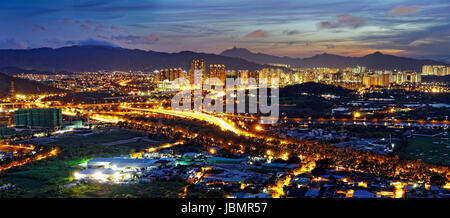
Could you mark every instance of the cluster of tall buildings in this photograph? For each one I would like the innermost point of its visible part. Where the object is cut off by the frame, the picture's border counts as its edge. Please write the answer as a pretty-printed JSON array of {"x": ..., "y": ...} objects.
[
  {"x": 215, "y": 71},
  {"x": 358, "y": 76},
  {"x": 385, "y": 79},
  {"x": 435, "y": 70},
  {"x": 169, "y": 74}
]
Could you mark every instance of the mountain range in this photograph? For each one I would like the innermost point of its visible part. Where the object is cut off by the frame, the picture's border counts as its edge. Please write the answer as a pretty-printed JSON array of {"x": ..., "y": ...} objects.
[
  {"x": 376, "y": 60},
  {"x": 95, "y": 58}
]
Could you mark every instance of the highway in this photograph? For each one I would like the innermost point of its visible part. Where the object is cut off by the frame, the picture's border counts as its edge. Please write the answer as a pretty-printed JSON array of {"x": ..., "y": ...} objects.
[{"x": 224, "y": 125}]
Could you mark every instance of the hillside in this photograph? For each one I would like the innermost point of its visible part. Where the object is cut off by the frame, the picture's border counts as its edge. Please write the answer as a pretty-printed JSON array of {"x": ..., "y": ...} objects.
[{"x": 23, "y": 86}]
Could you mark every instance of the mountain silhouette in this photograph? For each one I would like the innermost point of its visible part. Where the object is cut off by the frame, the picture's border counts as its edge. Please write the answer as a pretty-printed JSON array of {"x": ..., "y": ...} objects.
[
  {"x": 95, "y": 58},
  {"x": 376, "y": 60}
]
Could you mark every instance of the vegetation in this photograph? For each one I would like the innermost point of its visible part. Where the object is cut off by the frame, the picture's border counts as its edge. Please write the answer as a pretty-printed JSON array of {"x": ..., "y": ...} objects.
[
  {"x": 156, "y": 189},
  {"x": 38, "y": 178}
]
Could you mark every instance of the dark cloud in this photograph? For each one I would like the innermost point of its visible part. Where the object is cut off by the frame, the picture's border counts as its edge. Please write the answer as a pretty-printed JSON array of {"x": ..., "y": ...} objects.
[
  {"x": 42, "y": 28},
  {"x": 90, "y": 4},
  {"x": 43, "y": 12},
  {"x": 138, "y": 25},
  {"x": 291, "y": 32},
  {"x": 84, "y": 26},
  {"x": 342, "y": 20},
  {"x": 66, "y": 21},
  {"x": 257, "y": 34}
]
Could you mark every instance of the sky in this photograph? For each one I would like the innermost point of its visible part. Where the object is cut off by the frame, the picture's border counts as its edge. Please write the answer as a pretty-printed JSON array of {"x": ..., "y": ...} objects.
[{"x": 295, "y": 28}]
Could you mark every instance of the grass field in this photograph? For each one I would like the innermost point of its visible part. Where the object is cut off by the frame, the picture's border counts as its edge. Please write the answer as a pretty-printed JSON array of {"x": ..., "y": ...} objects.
[
  {"x": 90, "y": 146},
  {"x": 434, "y": 150}
]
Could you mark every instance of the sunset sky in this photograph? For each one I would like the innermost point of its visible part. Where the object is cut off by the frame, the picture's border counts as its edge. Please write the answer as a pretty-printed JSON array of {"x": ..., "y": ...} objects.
[{"x": 296, "y": 28}]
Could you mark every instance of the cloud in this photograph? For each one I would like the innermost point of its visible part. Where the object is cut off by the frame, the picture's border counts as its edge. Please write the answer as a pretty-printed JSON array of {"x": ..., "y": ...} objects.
[
  {"x": 43, "y": 12},
  {"x": 401, "y": 10},
  {"x": 99, "y": 27},
  {"x": 135, "y": 39},
  {"x": 291, "y": 32},
  {"x": 90, "y": 41},
  {"x": 257, "y": 34},
  {"x": 342, "y": 20},
  {"x": 91, "y": 4},
  {"x": 138, "y": 25},
  {"x": 84, "y": 26},
  {"x": 66, "y": 21},
  {"x": 13, "y": 44}
]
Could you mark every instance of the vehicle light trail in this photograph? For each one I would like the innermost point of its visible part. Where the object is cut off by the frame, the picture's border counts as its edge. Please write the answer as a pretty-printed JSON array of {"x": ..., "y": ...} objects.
[
  {"x": 16, "y": 163},
  {"x": 199, "y": 116},
  {"x": 153, "y": 149}
]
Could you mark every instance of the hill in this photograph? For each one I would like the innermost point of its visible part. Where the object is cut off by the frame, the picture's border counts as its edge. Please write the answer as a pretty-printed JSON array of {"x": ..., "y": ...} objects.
[{"x": 315, "y": 89}]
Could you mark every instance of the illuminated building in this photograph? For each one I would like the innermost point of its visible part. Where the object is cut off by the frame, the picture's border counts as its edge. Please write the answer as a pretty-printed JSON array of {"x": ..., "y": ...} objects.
[
  {"x": 270, "y": 73},
  {"x": 435, "y": 70},
  {"x": 358, "y": 69},
  {"x": 245, "y": 75},
  {"x": 12, "y": 91},
  {"x": 169, "y": 74},
  {"x": 217, "y": 71},
  {"x": 385, "y": 80},
  {"x": 376, "y": 79}
]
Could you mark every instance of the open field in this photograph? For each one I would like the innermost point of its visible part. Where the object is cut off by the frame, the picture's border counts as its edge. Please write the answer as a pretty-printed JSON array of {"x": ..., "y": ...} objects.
[
  {"x": 95, "y": 145},
  {"x": 430, "y": 149}
]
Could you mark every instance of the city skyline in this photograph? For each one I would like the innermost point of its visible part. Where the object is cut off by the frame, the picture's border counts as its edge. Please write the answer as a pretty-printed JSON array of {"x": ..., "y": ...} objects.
[
  {"x": 416, "y": 29},
  {"x": 224, "y": 99}
]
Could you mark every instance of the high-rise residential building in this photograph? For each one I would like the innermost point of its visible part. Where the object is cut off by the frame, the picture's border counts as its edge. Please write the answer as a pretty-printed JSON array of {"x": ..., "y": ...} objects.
[
  {"x": 385, "y": 79},
  {"x": 197, "y": 65},
  {"x": 169, "y": 74},
  {"x": 405, "y": 77},
  {"x": 376, "y": 79},
  {"x": 217, "y": 71},
  {"x": 12, "y": 91},
  {"x": 42, "y": 117},
  {"x": 270, "y": 73},
  {"x": 436, "y": 70},
  {"x": 245, "y": 75}
]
